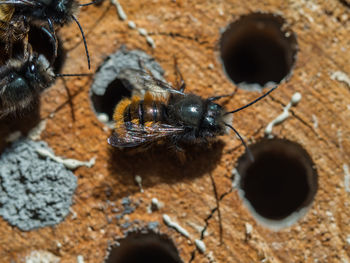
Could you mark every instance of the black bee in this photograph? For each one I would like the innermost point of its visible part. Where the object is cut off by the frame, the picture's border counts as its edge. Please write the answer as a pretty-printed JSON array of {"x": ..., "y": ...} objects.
[
  {"x": 53, "y": 12},
  {"x": 23, "y": 78},
  {"x": 157, "y": 111},
  {"x": 21, "y": 81}
]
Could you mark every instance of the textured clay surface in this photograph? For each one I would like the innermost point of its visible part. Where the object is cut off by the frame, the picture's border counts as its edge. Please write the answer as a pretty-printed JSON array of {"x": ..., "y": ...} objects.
[{"x": 190, "y": 30}]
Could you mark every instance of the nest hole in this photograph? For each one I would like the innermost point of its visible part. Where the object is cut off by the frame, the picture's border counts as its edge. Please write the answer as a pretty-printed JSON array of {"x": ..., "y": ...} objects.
[
  {"x": 105, "y": 104},
  {"x": 281, "y": 182},
  {"x": 258, "y": 50},
  {"x": 143, "y": 248}
]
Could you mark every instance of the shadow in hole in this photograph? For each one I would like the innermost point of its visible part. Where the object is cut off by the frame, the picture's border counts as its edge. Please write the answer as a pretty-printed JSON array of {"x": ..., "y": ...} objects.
[
  {"x": 22, "y": 121},
  {"x": 161, "y": 164}
]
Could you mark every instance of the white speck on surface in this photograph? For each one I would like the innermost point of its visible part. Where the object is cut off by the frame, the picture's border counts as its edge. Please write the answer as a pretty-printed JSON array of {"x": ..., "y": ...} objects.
[
  {"x": 41, "y": 256},
  {"x": 120, "y": 10},
  {"x": 74, "y": 214},
  {"x": 346, "y": 177},
  {"x": 35, "y": 133},
  {"x": 80, "y": 259},
  {"x": 131, "y": 24},
  {"x": 348, "y": 239},
  {"x": 167, "y": 220},
  {"x": 142, "y": 31},
  {"x": 210, "y": 257},
  {"x": 150, "y": 41},
  {"x": 220, "y": 11},
  {"x": 210, "y": 66},
  {"x": 248, "y": 228},
  {"x": 103, "y": 117},
  {"x": 200, "y": 245},
  {"x": 342, "y": 77},
  {"x": 315, "y": 121},
  {"x": 138, "y": 180},
  {"x": 68, "y": 163},
  {"x": 236, "y": 178},
  {"x": 155, "y": 204},
  {"x": 284, "y": 115},
  {"x": 14, "y": 136}
]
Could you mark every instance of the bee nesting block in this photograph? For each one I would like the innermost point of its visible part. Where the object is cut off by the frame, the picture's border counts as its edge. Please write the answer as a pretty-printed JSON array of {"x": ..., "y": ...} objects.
[{"x": 200, "y": 191}]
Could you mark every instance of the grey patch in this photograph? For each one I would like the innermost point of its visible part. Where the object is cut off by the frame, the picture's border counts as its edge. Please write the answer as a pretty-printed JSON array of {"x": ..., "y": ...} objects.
[
  {"x": 115, "y": 210},
  {"x": 126, "y": 201},
  {"x": 125, "y": 225},
  {"x": 153, "y": 225},
  {"x": 127, "y": 208},
  {"x": 123, "y": 59},
  {"x": 34, "y": 191}
]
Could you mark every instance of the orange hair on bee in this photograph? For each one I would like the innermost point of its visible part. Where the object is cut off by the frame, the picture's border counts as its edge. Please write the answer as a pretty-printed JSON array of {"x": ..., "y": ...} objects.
[
  {"x": 118, "y": 115},
  {"x": 135, "y": 121},
  {"x": 148, "y": 98},
  {"x": 135, "y": 99}
]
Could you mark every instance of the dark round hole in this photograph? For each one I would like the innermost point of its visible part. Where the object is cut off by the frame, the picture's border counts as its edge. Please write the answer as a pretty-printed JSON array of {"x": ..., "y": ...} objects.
[
  {"x": 104, "y": 105},
  {"x": 258, "y": 50},
  {"x": 144, "y": 248},
  {"x": 41, "y": 44},
  {"x": 281, "y": 181}
]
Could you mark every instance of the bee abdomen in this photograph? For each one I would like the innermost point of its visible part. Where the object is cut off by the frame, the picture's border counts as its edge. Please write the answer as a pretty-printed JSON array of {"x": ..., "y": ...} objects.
[{"x": 140, "y": 112}]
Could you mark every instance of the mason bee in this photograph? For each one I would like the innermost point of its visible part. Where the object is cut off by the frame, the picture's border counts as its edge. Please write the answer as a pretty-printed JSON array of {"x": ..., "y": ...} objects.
[
  {"x": 157, "y": 111},
  {"x": 23, "y": 78},
  {"x": 21, "y": 81},
  {"x": 52, "y": 12}
]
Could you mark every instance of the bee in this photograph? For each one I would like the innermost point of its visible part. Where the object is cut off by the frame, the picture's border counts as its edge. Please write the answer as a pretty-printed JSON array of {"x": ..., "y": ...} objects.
[
  {"x": 22, "y": 13},
  {"x": 157, "y": 111},
  {"x": 23, "y": 78},
  {"x": 21, "y": 81}
]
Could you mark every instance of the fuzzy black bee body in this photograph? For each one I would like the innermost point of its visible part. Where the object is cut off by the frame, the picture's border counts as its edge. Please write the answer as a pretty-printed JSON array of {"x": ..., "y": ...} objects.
[
  {"x": 60, "y": 12},
  {"x": 47, "y": 14},
  {"x": 21, "y": 81}
]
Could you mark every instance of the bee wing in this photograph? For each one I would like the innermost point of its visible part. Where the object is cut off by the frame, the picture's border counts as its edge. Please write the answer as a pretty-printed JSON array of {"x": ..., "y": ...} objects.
[
  {"x": 20, "y": 2},
  {"x": 141, "y": 82},
  {"x": 137, "y": 135}
]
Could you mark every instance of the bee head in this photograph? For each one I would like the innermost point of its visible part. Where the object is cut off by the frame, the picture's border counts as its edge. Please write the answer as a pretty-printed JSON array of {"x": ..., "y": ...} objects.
[
  {"x": 37, "y": 73},
  {"x": 213, "y": 119}
]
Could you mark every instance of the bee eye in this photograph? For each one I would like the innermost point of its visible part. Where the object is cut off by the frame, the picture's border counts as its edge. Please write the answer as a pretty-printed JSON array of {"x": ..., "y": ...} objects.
[
  {"x": 32, "y": 68},
  {"x": 214, "y": 107}
]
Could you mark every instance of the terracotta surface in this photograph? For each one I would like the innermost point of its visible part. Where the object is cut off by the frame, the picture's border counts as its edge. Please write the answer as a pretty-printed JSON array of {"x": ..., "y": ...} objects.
[{"x": 191, "y": 30}]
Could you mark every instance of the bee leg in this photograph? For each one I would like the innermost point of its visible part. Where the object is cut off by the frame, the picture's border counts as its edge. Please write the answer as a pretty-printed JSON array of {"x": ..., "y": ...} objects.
[
  {"x": 180, "y": 83},
  {"x": 180, "y": 152},
  {"x": 53, "y": 39},
  {"x": 223, "y": 96}
]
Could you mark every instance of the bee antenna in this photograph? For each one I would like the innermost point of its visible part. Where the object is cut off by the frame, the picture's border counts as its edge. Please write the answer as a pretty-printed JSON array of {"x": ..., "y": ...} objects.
[
  {"x": 91, "y": 3},
  {"x": 251, "y": 157},
  {"x": 73, "y": 75},
  {"x": 254, "y": 101},
  {"x": 84, "y": 40}
]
